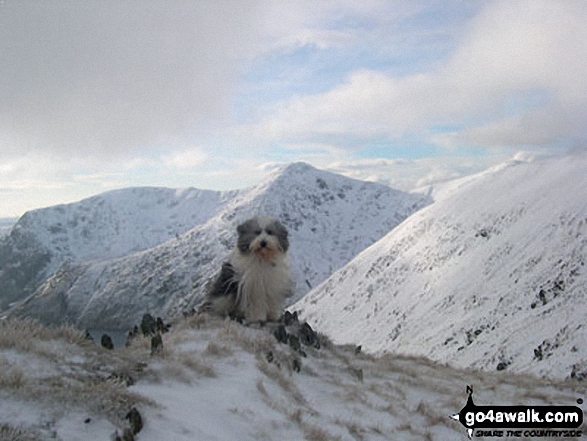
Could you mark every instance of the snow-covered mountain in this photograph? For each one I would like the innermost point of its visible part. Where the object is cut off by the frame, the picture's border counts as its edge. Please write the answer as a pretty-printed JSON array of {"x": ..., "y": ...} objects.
[
  {"x": 490, "y": 276},
  {"x": 331, "y": 218},
  {"x": 109, "y": 225}
]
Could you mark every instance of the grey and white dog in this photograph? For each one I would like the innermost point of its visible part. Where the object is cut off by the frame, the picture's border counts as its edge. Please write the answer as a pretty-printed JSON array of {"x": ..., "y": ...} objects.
[{"x": 256, "y": 279}]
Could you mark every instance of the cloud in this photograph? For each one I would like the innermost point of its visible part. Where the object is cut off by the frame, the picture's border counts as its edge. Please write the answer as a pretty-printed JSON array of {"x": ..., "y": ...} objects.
[
  {"x": 111, "y": 78},
  {"x": 414, "y": 174},
  {"x": 516, "y": 76},
  {"x": 192, "y": 158}
]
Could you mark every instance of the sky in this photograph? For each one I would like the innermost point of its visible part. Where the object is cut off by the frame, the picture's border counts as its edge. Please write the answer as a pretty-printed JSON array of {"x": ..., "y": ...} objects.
[{"x": 103, "y": 94}]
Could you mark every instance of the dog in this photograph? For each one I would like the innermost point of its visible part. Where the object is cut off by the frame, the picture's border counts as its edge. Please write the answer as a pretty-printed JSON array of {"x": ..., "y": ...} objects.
[{"x": 255, "y": 281}]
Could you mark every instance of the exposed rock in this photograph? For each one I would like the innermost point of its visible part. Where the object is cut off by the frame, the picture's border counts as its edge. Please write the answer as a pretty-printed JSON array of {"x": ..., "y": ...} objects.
[{"x": 106, "y": 341}]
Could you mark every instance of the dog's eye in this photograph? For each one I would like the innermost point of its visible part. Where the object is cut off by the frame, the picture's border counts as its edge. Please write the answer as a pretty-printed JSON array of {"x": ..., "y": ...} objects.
[
  {"x": 269, "y": 232},
  {"x": 257, "y": 232}
]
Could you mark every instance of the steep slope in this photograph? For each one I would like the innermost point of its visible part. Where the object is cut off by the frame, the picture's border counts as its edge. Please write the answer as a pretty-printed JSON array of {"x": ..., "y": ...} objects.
[
  {"x": 330, "y": 218},
  {"x": 105, "y": 226},
  {"x": 491, "y": 276}
]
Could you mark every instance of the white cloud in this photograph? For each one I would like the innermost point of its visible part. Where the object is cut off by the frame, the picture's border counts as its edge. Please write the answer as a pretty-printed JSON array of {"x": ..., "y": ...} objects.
[
  {"x": 192, "y": 158},
  {"x": 516, "y": 76},
  {"x": 411, "y": 174},
  {"x": 111, "y": 78}
]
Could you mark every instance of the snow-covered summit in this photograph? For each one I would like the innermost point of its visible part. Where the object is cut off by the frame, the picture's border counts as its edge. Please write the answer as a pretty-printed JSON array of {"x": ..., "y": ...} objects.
[
  {"x": 330, "y": 218},
  {"x": 490, "y": 276},
  {"x": 106, "y": 226},
  {"x": 118, "y": 222}
]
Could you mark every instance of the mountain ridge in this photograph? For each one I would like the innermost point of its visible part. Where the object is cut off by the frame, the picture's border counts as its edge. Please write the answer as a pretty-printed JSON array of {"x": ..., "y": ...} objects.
[
  {"x": 492, "y": 276},
  {"x": 337, "y": 215}
]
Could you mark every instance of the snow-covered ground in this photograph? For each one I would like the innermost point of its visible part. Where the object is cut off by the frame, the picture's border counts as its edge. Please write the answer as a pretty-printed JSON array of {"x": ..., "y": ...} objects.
[
  {"x": 218, "y": 380},
  {"x": 330, "y": 219},
  {"x": 490, "y": 276}
]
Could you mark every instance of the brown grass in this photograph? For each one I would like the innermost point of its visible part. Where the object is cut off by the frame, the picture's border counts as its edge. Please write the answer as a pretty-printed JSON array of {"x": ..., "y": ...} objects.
[
  {"x": 11, "y": 378},
  {"x": 9, "y": 433},
  {"x": 83, "y": 383},
  {"x": 315, "y": 433},
  {"x": 218, "y": 349}
]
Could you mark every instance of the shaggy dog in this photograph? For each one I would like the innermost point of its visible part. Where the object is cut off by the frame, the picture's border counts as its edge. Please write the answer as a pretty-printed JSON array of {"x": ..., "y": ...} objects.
[{"x": 256, "y": 279}]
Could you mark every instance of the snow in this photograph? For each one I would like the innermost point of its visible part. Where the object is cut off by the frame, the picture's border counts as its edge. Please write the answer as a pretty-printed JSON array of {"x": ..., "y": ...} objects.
[
  {"x": 330, "y": 219},
  {"x": 491, "y": 274},
  {"x": 214, "y": 381}
]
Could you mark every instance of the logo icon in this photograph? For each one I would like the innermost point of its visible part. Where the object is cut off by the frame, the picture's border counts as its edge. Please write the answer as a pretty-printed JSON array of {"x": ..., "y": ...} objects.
[{"x": 513, "y": 418}]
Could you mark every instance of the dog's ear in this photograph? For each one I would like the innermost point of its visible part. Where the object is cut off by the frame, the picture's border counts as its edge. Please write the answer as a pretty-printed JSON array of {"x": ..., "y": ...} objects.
[
  {"x": 245, "y": 227},
  {"x": 246, "y": 234},
  {"x": 282, "y": 235}
]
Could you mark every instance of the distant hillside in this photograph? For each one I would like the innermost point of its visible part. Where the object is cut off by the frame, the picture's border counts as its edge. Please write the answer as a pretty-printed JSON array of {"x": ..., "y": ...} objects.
[
  {"x": 110, "y": 225},
  {"x": 490, "y": 276}
]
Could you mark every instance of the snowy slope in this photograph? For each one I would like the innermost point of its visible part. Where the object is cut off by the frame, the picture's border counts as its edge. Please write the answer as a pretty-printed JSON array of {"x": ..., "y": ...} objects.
[
  {"x": 105, "y": 226},
  {"x": 331, "y": 218},
  {"x": 218, "y": 380},
  {"x": 120, "y": 221},
  {"x": 490, "y": 276}
]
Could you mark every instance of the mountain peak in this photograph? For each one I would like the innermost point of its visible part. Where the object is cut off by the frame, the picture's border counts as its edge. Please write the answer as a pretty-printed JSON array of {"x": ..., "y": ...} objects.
[
  {"x": 292, "y": 170},
  {"x": 297, "y": 168}
]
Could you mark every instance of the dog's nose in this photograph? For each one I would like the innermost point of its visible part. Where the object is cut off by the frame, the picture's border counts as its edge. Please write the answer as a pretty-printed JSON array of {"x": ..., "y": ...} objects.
[{"x": 263, "y": 243}]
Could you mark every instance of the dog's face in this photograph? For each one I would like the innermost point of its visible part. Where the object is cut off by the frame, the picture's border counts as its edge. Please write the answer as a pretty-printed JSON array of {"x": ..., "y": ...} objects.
[{"x": 264, "y": 236}]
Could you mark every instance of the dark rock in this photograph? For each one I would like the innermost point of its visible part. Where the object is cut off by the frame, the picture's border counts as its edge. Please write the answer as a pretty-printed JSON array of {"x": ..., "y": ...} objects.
[
  {"x": 359, "y": 348},
  {"x": 288, "y": 318},
  {"x": 281, "y": 334},
  {"x": 162, "y": 327},
  {"x": 269, "y": 356},
  {"x": 296, "y": 365},
  {"x": 148, "y": 325},
  {"x": 156, "y": 344},
  {"x": 578, "y": 374},
  {"x": 106, "y": 341},
  {"x": 88, "y": 336},
  {"x": 135, "y": 420},
  {"x": 294, "y": 343},
  {"x": 307, "y": 336}
]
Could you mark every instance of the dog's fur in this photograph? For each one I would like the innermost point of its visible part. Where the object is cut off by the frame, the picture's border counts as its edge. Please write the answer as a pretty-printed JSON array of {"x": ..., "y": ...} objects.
[{"x": 256, "y": 279}]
